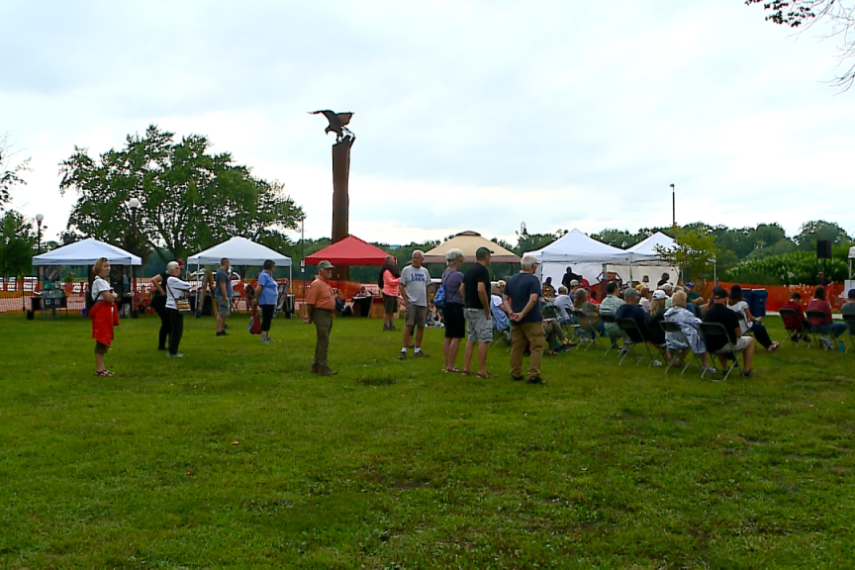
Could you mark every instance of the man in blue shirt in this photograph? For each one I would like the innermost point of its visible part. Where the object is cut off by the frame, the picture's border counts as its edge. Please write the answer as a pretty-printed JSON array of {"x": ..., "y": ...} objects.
[
  {"x": 632, "y": 310},
  {"x": 522, "y": 303}
]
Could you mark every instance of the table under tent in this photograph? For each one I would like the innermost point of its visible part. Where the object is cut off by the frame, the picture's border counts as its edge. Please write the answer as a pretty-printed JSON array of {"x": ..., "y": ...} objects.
[{"x": 84, "y": 254}]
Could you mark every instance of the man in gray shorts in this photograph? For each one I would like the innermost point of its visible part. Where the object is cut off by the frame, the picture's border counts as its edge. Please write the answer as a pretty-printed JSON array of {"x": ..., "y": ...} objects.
[
  {"x": 223, "y": 295},
  {"x": 415, "y": 280},
  {"x": 476, "y": 309}
]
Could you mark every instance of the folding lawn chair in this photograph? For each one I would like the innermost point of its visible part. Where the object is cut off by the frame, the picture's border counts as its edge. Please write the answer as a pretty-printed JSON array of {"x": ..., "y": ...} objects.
[
  {"x": 713, "y": 332},
  {"x": 674, "y": 328},
  {"x": 792, "y": 326},
  {"x": 632, "y": 332},
  {"x": 281, "y": 298},
  {"x": 586, "y": 331},
  {"x": 501, "y": 329},
  {"x": 824, "y": 339},
  {"x": 850, "y": 327}
]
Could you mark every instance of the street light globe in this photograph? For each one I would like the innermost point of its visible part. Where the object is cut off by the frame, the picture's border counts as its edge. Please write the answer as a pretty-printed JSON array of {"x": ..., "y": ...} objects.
[
  {"x": 134, "y": 203},
  {"x": 39, "y": 218}
]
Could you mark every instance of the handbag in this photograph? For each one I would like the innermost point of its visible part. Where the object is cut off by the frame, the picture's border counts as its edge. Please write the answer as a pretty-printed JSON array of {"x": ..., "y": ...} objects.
[
  {"x": 254, "y": 326},
  {"x": 181, "y": 303}
]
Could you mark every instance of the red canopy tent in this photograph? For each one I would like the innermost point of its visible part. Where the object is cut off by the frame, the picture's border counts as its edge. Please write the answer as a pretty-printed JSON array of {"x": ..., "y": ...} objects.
[{"x": 349, "y": 251}]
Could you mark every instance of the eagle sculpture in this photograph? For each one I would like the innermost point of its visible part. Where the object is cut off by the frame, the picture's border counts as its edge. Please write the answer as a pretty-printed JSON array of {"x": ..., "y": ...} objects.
[{"x": 337, "y": 122}]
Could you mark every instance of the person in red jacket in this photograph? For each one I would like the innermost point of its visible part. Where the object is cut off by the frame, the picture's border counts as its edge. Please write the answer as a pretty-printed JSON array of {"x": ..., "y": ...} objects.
[{"x": 103, "y": 313}]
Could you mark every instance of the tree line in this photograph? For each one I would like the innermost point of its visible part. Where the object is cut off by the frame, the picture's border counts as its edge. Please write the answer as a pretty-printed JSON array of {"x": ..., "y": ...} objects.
[{"x": 162, "y": 198}]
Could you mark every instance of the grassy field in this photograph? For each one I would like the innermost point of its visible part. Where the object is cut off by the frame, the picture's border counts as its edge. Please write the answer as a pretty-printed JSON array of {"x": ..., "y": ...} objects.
[{"x": 237, "y": 456}]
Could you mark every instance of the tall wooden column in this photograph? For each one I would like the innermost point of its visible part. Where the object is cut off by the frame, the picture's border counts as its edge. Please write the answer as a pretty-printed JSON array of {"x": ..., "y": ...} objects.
[{"x": 341, "y": 199}]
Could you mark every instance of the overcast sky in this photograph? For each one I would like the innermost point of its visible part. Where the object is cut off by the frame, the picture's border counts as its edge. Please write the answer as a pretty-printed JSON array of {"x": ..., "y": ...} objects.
[{"x": 468, "y": 115}]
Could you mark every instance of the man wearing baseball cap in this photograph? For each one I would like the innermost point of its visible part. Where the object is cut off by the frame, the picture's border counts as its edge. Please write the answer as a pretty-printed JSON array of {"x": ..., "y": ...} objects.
[
  {"x": 719, "y": 313},
  {"x": 320, "y": 300}
]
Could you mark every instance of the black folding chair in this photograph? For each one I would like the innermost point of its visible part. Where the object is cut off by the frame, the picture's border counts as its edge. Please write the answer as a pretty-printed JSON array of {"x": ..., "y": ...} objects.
[
  {"x": 793, "y": 332},
  {"x": 632, "y": 332},
  {"x": 850, "y": 327},
  {"x": 824, "y": 339},
  {"x": 671, "y": 327},
  {"x": 715, "y": 333},
  {"x": 586, "y": 332}
]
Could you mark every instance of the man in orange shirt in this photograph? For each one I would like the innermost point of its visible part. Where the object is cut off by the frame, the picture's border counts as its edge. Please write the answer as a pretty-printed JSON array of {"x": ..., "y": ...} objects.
[{"x": 321, "y": 304}]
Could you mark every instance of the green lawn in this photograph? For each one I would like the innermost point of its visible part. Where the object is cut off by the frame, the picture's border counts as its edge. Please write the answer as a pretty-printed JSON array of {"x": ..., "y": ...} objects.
[{"x": 237, "y": 456}]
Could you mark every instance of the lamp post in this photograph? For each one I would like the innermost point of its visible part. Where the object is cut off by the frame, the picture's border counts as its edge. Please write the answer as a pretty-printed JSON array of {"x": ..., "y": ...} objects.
[
  {"x": 303, "y": 253},
  {"x": 673, "y": 208},
  {"x": 134, "y": 205},
  {"x": 39, "y": 219}
]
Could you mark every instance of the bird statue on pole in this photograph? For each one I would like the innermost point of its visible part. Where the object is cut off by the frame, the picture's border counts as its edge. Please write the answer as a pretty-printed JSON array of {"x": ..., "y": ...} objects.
[{"x": 337, "y": 123}]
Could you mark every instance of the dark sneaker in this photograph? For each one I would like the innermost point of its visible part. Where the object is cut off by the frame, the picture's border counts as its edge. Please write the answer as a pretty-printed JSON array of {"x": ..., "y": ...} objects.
[
  {"x": 420, "y": 354},
  {"x": 402, "y": 356},
  {"x": 221, "y": 333},
  {"x": 315, "y": 369},
  {"x": 516, "y": 378},
  {"x": 327, "y": 372},
  {"x": 749, "y": 374},
  {"x": 535, "y": 380}
]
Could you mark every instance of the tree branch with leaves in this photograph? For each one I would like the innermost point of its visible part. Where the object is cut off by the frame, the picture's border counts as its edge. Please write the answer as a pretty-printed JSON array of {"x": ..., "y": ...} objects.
[{"x": 805, "y": 14}]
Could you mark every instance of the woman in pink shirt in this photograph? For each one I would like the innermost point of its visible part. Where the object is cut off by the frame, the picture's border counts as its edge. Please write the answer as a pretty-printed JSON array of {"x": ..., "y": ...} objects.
[
  {"x": 818, "y": 303},
  {"x": 391, "y": 281}
]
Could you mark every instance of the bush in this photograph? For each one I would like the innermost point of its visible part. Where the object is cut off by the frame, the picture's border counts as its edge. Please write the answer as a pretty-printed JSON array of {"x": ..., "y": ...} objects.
[{"x": 797, "y": 268}]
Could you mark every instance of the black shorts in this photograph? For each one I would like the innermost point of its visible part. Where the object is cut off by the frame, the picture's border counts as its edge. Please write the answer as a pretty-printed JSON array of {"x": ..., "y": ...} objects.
[
  {"x": 455, "y": 322},
  {"x": 390, "y": 304}
]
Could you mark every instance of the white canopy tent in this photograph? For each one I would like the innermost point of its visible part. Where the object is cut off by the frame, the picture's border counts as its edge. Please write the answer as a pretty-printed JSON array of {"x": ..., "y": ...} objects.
[
  {"x": 585, "y": 255},
  {"x": 87, "y": 252},
  {"x": 240, "y": 251},
  {"x": 647, "y": 262}
]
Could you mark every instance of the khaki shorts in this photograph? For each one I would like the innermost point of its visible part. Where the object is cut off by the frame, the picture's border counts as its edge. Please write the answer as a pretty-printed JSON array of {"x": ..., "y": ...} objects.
[
  {"x": 742, "y": 343},
  {"x": 478, "y": 326},
  {"x": 416, "y": 316},
  {"x": 224, "y": 308},
  {"x": 390, "y": 304}
]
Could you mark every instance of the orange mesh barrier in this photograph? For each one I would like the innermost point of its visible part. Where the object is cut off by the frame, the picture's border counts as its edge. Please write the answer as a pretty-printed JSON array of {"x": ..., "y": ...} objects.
[{"x": 780, "y": 294}]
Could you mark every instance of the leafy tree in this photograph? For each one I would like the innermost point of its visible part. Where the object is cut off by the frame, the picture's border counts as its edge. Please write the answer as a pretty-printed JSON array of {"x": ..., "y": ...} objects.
[
  {"x": 189, "y": 199},
  {"x": 840, "y": 14},
  {"x": 9, "y": 175},
  {"x": 617, "y": 238},
  {"x": 17, "y": 242},
  {"x": 811, "y": 232},
  {"x": 693, "y": 252}
]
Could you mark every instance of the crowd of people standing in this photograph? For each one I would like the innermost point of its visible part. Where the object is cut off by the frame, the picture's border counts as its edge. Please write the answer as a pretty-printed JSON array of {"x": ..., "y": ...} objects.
[{"x": 475, "y": 308}]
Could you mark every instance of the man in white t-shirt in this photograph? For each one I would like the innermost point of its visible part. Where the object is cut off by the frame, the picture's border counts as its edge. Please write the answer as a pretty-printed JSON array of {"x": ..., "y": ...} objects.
[{"x": 414, "y": 284}]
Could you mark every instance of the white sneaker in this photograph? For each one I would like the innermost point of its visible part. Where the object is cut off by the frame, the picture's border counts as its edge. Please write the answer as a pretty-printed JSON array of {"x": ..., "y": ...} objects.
[{"x": 176, "y": 355}]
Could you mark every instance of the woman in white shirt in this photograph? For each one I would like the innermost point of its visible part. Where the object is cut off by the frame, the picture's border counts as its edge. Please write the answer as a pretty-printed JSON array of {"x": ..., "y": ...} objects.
[
  {"x": 176, "y": 291},
  {"x": 748, "y": 322},
  {"x": 103, "y": 314}
]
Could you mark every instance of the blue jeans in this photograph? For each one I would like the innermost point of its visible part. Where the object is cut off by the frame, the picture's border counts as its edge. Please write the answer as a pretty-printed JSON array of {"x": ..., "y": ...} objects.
[{"x": 836, "y": 329}]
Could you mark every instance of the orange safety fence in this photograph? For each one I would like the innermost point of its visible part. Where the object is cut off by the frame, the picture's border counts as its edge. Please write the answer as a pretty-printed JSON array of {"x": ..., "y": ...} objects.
[
  {"x": 11, "y": 298},
  {"x": 780, "y": 294}
]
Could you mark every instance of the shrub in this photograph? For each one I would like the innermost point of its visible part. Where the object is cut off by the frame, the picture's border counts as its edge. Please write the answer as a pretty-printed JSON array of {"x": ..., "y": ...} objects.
[{"x": 797, "y": 268}]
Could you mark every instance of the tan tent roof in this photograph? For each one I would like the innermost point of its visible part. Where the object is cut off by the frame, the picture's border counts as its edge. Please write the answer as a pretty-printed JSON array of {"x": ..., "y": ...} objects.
[{"x": 469, "y": 242}]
